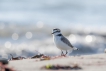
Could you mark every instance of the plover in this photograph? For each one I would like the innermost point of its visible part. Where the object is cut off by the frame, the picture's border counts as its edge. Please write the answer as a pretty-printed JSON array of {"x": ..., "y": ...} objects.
[{"x": 61, "y": 42}]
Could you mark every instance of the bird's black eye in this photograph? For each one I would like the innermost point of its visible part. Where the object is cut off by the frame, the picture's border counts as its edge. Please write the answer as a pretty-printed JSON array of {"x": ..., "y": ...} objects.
[{"x": 59, "y": 35}]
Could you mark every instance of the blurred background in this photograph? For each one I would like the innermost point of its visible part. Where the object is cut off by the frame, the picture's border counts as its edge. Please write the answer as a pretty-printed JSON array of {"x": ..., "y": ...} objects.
[{"x": 26, "y": 26}]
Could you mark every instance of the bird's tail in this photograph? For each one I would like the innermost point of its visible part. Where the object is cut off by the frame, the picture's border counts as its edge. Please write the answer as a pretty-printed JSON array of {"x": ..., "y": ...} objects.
[{"x": 74, "y": 48}]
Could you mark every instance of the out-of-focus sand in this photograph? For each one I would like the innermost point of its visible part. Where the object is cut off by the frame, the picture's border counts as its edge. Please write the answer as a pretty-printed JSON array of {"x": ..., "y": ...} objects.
[{"x": 96, "y": 62}]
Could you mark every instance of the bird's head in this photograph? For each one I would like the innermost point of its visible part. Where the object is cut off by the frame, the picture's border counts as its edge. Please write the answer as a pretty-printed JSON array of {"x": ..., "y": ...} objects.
[{"x": 56, "y": 31}]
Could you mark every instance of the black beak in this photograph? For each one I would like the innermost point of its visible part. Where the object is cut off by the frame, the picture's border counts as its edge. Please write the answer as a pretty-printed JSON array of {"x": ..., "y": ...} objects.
[{"x": 52, "y": 33}]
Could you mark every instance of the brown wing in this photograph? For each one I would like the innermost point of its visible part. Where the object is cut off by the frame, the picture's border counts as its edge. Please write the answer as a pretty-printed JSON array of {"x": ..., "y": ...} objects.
[{"x": 65, "y": 40}]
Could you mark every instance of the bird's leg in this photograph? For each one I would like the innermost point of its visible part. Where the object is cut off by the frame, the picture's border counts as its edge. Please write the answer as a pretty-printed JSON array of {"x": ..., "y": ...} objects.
[
  {"x": 66, "y": 53},
  {"x": 62, "y": 53}
]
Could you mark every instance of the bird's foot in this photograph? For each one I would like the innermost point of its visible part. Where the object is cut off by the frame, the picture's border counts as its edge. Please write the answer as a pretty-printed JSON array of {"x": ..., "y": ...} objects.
[{"x": 63, "y": 55}]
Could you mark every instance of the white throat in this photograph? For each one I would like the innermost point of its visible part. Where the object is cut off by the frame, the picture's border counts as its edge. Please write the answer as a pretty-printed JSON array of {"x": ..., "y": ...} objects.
[{"x": 56, "y": 37}]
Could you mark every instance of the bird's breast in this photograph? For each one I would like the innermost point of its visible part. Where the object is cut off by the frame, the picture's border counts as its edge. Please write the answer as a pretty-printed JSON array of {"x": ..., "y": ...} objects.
[{"x": 60, "y": 44}]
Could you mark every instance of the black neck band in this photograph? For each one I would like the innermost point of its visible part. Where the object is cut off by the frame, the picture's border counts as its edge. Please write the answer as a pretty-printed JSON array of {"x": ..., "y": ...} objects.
[{"x": 59, "y": 35}]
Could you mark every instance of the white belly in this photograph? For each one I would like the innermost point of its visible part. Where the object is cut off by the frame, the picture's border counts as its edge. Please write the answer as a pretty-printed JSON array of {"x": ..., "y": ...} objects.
[{"x": 61, "y": 45}]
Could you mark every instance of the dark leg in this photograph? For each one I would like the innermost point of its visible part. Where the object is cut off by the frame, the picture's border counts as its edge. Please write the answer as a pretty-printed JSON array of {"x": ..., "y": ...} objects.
[
  {"x": 62, "y": 53},
  {"x": 66, "y": 52}
]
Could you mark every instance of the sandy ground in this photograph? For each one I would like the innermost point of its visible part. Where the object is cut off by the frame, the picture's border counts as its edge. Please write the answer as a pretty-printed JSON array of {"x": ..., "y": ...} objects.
[{"x": 96, "y": 62}]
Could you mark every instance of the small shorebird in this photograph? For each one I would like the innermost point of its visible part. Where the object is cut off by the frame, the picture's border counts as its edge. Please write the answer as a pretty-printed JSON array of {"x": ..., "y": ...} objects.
[{"x": 61, "y": 42}]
